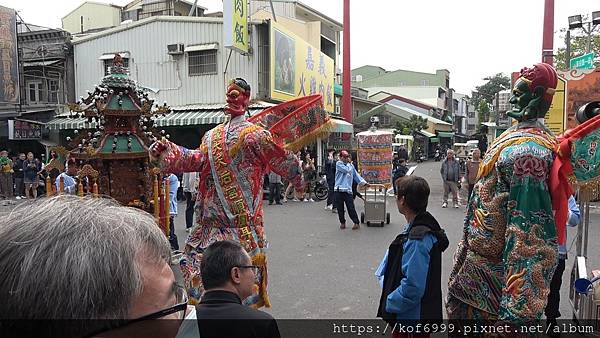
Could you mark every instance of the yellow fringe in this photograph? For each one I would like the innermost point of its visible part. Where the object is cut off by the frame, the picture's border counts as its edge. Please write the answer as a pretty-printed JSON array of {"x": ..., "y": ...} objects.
[
  {"x": 486, "y": 167},
  {"x": 260, "y": 259},
  {"x": 319, "y": 133}
]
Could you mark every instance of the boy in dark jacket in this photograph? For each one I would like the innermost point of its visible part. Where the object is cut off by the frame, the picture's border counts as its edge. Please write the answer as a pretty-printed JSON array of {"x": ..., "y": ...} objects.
[{"x": 411, "y": 270}]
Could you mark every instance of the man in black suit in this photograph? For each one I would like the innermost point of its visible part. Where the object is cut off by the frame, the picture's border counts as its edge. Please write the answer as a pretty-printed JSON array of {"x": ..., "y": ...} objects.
[{"x": 228, "y": 277}]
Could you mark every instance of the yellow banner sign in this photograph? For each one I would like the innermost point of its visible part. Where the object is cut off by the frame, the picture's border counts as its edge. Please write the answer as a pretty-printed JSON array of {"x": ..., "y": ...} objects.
[
  {"x": 556, "y": 117},
  {"x": 235, "y": 25},
  {"x": 299, "y": 69}
]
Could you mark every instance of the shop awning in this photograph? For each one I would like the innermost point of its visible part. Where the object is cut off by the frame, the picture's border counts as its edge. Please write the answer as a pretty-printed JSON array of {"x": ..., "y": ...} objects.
[
  {"x": 434, "y": 140},
  {"x": 70, "y": 123},
  {"x": 426, "y": 133},
  {"x": 341, "y": 126},
  {"x": 445, "y": 134},
  {"x": 189, "y": 115},
  {"x": 186, "y": 118}
]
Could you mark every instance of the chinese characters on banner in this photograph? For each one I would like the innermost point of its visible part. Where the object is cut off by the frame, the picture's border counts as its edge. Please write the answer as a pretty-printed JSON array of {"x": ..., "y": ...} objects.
[
  {"x": 9, "y": 78},
  {"x": 299, "y": 69},
  {"x": 22, "y": 130},
  {"x": 235, "y": 25}
]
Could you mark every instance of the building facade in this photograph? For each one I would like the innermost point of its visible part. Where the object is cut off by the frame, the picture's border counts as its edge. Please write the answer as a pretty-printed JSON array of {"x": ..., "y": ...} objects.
[
  {"x": 91, "y": 16},
  {"x": 46, "y": 82}
]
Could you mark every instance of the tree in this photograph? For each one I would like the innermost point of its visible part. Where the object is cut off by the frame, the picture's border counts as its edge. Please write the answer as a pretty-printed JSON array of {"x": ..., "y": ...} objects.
[
  {"x": 411, "y": 127},
  {"x": 483, "y": 109},
  {"x": 487, "y": 91},
  {"x": 579, "y": 42}
]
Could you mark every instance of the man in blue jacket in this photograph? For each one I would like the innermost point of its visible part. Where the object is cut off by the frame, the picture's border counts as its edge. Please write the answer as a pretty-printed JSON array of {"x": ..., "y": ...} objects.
[
  {"x": 411, "y": 271},
  {"x": 344, "y": 175}
]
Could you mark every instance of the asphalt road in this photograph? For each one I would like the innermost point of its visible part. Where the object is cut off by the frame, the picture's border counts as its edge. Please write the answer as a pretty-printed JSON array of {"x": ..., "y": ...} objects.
[{"x": 317, "y": 270}]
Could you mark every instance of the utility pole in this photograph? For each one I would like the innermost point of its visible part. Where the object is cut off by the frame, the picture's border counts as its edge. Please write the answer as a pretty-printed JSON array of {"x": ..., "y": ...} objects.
[
  {"x": 568, "y": 49},
  {"x": 346, "y": 95},
  {"x": 548, "y": 35}
]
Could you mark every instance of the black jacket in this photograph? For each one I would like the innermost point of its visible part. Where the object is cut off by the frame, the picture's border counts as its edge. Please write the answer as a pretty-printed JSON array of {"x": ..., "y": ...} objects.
[
  {"x": 330, "y": 171},
  {"x": 18, "y": 168},
  {"x": 221, "y": 314},
  {"x": 431, "y": 303}
]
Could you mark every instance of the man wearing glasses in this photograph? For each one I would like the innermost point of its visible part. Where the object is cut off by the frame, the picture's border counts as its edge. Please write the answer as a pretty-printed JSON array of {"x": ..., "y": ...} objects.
[
  {"x": 93, "y": 260},
  {"x": 228, "y": 278}
]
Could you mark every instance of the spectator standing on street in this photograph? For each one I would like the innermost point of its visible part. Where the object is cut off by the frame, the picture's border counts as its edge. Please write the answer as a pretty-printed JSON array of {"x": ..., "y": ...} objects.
[
  {"x": 173, "y": 186},
  {"x": 400, "y": 171},
  {"x": 69, "y": 183},
  {"x": 472, "y": 169},
  {"x": 290, "y": 186},
  {"x": 228, "y": 277},
  {"x": 274, "y": 188},
  {"x": 411, "y": 270},
  {"x": 6, "y": 175},
  {"x": 18, "y": 176},
  {"x": 330, "y": 176},
  {"x": 190, "y": 182},
  {"x": 451, "y": 177},
  {"x": 403, "y": 153},
  {"x": 309, "y": 174},
  {"x": 31, "y": 168},
  {"x": 345, "y": 174},
  {"x": 87, "y": 262}
]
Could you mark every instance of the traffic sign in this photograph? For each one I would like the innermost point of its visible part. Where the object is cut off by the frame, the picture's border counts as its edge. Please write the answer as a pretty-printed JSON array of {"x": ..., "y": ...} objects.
[{"x": 586, "y": 61}]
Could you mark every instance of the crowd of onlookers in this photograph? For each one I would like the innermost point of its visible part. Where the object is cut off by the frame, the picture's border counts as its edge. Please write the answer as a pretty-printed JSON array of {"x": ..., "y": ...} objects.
[{"x": 20, "y": 176}]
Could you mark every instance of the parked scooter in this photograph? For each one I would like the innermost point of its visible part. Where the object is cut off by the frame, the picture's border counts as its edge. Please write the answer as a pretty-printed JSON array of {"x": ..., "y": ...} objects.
[
  {"x": 420, "y": 157},
  {"x": 438, "y": 155},
  {"x": 321, "y": 189}
]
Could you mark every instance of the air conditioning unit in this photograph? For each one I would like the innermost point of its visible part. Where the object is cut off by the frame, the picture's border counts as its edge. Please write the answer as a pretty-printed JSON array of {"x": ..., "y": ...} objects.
[{"x": 175, "y": 49}]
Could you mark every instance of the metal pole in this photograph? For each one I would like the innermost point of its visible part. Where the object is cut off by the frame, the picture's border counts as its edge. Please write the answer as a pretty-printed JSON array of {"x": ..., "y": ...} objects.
[
  {"x": 346, "y": 95},
  {"x": 193, "y": 8},
  {"x": 568, "y": 51},
  {"x": 273, "y": 10},
  {"x": 589, "y": 33},
  {"x": 548, "y": 34}
]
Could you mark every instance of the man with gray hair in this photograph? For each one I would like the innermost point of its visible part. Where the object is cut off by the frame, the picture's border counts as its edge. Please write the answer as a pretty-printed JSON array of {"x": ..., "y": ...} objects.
[
  {"x": 89, "y": 259},
  {"x": 451, "y": 177}
]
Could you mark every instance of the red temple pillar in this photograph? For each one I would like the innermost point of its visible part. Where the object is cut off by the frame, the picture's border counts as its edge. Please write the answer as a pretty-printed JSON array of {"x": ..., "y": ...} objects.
[{"x": 346, "y": 96}]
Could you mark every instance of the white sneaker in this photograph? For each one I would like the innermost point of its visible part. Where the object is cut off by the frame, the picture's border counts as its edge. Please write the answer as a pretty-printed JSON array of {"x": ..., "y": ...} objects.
[
  {"x": 329, "y": 207},
  {"x": 296, "y": 200},
  {"x": 285, "y": 200},
  {"x": 306, "y": 200},
  {"x": 444, "y": 205},
  {"x": 456, "y": 206},
  {"x": 18, "y": 197},
  {"x": 311, "y": 200}
]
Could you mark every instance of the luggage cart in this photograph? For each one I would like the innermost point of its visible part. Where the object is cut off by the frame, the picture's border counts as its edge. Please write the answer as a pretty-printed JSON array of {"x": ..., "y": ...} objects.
[{"x": 375, "y": 198}]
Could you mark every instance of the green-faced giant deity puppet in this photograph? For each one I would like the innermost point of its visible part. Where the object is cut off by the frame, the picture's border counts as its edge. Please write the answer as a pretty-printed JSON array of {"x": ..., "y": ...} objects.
[{"x": 508, "y": 253}]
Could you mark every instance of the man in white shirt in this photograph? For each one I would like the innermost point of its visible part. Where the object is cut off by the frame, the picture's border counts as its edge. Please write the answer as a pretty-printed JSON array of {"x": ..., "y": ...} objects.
[{"x": 189, "y": 183}]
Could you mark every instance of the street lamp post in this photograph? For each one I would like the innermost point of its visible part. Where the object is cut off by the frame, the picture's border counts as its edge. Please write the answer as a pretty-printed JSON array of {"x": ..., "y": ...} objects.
[{"x": 576, "y": 21}]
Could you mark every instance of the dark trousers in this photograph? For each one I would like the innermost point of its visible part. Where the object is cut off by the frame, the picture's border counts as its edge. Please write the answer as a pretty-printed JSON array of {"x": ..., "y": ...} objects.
[
  {"x": 341, "y": 198},
  {"x": 471, "y": 186},
  {"x": 552, "y": 308},
  {"x": 275, "y": 192},
  {"x": 6, "y": 185},
  {"x": 189, "y": 209},
  {"x": 172, "y": 235},
  {"x": 330, "y": 194},
  {"x": 19, "y": 186}
]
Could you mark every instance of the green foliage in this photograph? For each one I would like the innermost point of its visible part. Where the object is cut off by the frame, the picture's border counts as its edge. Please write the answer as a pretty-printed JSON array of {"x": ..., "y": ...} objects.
[
  {"x": 487, "y": 91},
  {"x": 579, "y": 42},
  {"x": 483, "y": 110},
  {"x": 410, "y": 127}
]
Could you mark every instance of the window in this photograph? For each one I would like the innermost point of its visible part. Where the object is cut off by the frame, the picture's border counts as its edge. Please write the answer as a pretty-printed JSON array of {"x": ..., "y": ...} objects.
[
  {"x": 402, "y": 84},
  {"x": 470, "y": 127},
  {"x": 358, "y": 78},
  {"x": 202, "y": 62},
  {"x": 384, "y": 120},
  {"x": 424, "y": 82},
  {"x": 108, "y": 64},
  {"x": 471, "y": 114},
  {"x": 34, "y": 91},
  {"x": 53, "y": 91}
]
